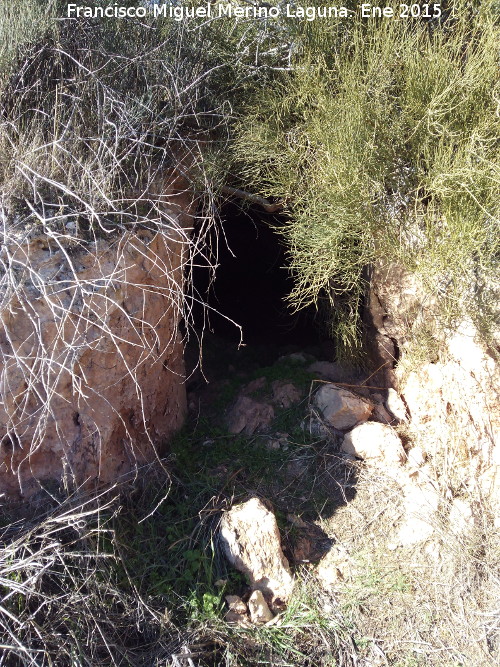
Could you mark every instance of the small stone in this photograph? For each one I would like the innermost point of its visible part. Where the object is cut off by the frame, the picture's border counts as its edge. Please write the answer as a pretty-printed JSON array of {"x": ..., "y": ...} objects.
[
  {"x": 374, "y": 442},
  {"x": 317, "y": 429},
  {"x": 237, "y": 619},
  {"x": 334, "y": 568},
  {"x": 248, "y": 416},
  {"x": 395, "y": 405},
  {"x": 273, "y": 445},
  {"x": 285, "y": 394},
  {"x": 236, "y": 604},
  {"x": 416, "y": 457},
  {"x": 341, "y": 408},
  {"x": 238, "y": 612},
  {"x": 278, "y": 441},
  {"x": 259, "y": 609}
]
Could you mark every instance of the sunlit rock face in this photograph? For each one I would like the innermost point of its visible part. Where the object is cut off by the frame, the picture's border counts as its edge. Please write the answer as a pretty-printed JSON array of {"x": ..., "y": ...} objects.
[
  {"x": 452, "y": 402},
  {"x": 455, "y": 411},
  {"x": 91, "y": 359}
]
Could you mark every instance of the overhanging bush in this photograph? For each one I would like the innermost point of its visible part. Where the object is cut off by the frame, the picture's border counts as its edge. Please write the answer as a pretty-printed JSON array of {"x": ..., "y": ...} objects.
[{"x": 382, "y": 141}]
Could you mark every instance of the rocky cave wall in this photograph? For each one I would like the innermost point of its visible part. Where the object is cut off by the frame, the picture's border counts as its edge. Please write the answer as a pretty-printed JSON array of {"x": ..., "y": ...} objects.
[
  {"x": 91, "y": 359},
  {"x": 452, "y": 401}
]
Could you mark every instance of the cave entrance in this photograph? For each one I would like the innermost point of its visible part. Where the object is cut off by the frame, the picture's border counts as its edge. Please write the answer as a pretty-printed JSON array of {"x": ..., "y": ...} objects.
[{"x": 251, "y": 284}]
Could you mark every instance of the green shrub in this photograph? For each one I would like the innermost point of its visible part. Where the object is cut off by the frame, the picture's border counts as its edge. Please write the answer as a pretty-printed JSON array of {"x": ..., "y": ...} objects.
[
  {"x": 381, "y": 141},
  {"x": 23, "y": 23}
]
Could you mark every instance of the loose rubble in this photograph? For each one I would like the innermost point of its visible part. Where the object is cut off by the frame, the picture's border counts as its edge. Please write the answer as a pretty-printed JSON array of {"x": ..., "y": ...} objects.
[
  {"x": 248, "y": 416},
  {"x": 251, "y": 541},
  {"x": 341, "y": 408}
]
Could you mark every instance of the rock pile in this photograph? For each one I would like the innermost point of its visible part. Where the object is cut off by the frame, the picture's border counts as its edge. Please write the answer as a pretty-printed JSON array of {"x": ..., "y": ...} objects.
[
  {"x": 249, "y": 415},
  {"x": 378, "y": 444}
]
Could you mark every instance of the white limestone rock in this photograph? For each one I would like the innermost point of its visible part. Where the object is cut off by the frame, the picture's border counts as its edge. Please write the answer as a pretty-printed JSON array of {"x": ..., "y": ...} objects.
[
  {"x": 416, "y": 457},
  {"x": 420, "y": 507},
  {"x": 395, "y": 405},
  {"x": 259, "y": 609},
  {"x": 251, "y": 541},
  {"x": 341, "y": 408},
  {"x": 376, "y": 443}
]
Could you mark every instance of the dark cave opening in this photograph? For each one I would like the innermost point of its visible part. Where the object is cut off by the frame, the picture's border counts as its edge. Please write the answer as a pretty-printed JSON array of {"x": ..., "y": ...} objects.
[{"x": 251, "y": 284}]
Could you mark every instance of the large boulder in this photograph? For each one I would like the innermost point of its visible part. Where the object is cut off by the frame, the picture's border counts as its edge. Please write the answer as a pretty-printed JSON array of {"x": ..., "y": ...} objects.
[
  {"x": 251, "y": 541},
  {"x": 341, "y": 408},
  {"x": 91, "y": 360}
]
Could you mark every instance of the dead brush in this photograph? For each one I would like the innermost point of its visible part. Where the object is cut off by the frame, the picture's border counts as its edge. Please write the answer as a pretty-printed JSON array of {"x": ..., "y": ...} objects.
[
  {"x": 100, "y": 140},
  {"x": 92, "y": 153},
  {"x": 73, "y": 591},
  {"x": 59, "y": 599}
]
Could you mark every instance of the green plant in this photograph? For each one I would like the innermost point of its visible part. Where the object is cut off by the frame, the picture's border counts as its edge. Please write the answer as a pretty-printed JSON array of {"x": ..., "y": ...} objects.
[
  {"x": 380, "y": 140},
  {"x": 23, "y": 23},
  {"x": 205, "y": 607}
]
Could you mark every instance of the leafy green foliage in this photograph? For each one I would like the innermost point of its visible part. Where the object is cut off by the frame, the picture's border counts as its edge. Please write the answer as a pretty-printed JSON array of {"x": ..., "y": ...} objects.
[
  {"x": 379, "y": 136},
  {"x": 381, "y": 141}
]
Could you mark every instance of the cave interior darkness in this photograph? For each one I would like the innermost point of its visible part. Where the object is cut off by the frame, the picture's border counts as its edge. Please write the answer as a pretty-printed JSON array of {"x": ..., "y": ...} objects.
[{"x": 251, "y": 284}]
